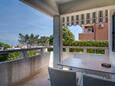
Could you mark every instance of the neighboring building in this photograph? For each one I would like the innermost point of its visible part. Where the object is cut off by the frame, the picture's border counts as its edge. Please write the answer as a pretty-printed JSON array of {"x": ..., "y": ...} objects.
[
  {"x": 93, "y": 21},
  {"x": 94, "y": 32}
]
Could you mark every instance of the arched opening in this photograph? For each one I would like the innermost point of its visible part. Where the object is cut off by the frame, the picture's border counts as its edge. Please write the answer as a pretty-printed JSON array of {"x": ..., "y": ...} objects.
[{"x": 76, "y": 30}]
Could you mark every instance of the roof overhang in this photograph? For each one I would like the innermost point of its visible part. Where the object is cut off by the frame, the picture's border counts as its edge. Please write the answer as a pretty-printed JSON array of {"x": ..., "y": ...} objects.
[
  {"x": 58, "y": 7},
  {"x": 47, "y": 6}
]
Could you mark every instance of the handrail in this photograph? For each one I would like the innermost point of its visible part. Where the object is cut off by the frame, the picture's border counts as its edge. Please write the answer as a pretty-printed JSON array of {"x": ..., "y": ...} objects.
[
  {"x": 23, "y": 52},
  {"x": 85, "y": 47},
  {"x": 23, "y": 49}
]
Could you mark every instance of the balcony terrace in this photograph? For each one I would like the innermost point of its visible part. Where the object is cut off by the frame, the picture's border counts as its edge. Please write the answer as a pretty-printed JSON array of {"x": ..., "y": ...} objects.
[{"x": 33, "y": 71}]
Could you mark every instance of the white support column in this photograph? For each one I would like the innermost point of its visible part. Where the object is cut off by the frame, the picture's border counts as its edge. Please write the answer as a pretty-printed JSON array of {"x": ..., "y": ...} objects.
[
  {"x": 57, "y": 42},
  {"x": 111, "y": 53}
]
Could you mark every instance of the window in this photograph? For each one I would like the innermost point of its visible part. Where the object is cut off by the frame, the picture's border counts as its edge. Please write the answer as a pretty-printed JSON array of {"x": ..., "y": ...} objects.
[
  {"x": 94, "y": 20},
  {"x": 100, "y": 19},
  {"x": 89, "y": 29},
  {"x": 106, "y": 16},
  {"x": 88, "y": 18},
  {"x": 106, "y": 12},
  {"x": 100, "y": 16},
  {"x": 67, "y": 19},
  {"x": 77, "y": 19},
  {"x": 82, "y": 22},
  {"x": 82, "y": 18},
  {"x": 63, "y": 19},
  {"x": 72, "y": 20},
  {"x": 94, "y": 17},
  {"x": 100, "y": 13}
]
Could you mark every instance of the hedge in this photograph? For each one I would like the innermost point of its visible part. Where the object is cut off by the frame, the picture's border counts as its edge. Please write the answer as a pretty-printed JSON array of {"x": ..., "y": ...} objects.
[{"x": 87, "y": 43}]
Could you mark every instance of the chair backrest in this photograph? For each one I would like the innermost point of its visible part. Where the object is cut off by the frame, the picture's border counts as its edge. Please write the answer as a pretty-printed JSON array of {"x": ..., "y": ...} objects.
[
  {"x": 62, "y": 78},
  {"x": 96, "y": 81}
]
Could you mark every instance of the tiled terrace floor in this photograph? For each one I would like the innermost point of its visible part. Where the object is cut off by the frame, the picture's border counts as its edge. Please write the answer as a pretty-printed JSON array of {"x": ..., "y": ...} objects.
[{"x": 40, "y": 79}]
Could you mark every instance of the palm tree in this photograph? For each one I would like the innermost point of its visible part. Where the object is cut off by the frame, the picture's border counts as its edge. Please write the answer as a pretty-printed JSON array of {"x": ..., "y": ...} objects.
[
  {"x": 33, "y": 39},
  {"x": 23, "y": 39},
  {"x": 28, "y": 39}
]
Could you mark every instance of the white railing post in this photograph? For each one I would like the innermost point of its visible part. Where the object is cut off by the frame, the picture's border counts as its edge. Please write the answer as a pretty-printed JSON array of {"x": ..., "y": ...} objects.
[
  {"x": 84, "y": 50},
  {"x": 43, "y": 50},
  {"x": 67, "y": 49},
  {"x": 57, "y": 41},
  {"x": 106, "y": 51},
  {"x": 24, "y": 54}
]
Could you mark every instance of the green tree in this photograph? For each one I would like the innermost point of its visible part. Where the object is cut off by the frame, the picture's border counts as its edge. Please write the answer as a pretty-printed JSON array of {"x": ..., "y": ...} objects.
[
  {"x": 43, "y": 40},
  {"x": 28, "y": 39},
  {"x": 33, "y": 39},
  {"x": 51, "y": 40},
  {"x": 68, "y": 37},
  {"x": 4, "y": 45},
  {"x": 23, "y": 39},
  {"x": 4, "y": 57},
  {"x": 7, "y": 56}
]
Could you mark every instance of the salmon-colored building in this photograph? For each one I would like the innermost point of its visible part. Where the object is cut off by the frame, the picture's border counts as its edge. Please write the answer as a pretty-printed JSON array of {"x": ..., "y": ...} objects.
[
  {"x": 94, "y": 32},
  {"x": 97, "y": 29}
]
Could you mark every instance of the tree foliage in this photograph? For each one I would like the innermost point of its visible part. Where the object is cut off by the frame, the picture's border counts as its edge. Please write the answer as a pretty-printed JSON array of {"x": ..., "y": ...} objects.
[
  {"x": 33, "y": 40},
  {"x": 8, "y": 56},
  {"x": 68, "y": 36},
  {"x": 43, "y": 40},
  {"x": 4, "y": 45},
  {"x": 89, "y": 43},
  {"x": 51, "y": 40},
  {"x": 28, "y": 39}
]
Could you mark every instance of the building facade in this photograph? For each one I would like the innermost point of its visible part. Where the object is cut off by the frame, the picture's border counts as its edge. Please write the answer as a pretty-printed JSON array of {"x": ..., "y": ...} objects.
[{"x": 94, "y": 23}]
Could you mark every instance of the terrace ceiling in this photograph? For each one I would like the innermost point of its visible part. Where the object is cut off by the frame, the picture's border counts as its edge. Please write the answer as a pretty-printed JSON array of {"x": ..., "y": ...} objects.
[{"x": 56, "y": 7}]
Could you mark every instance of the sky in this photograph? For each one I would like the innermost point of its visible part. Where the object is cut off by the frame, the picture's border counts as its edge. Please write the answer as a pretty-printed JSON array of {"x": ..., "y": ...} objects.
[{"x": 17, "y": 17}]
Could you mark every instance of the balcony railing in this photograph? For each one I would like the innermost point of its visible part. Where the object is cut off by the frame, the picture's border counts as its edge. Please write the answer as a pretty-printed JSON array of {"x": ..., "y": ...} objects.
[
  {"x": 22, "y": 68},
  {"x": 99, "y": 53},
  {"x": 88, "y": 50},
  {"x": 24, "y": 52}
]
